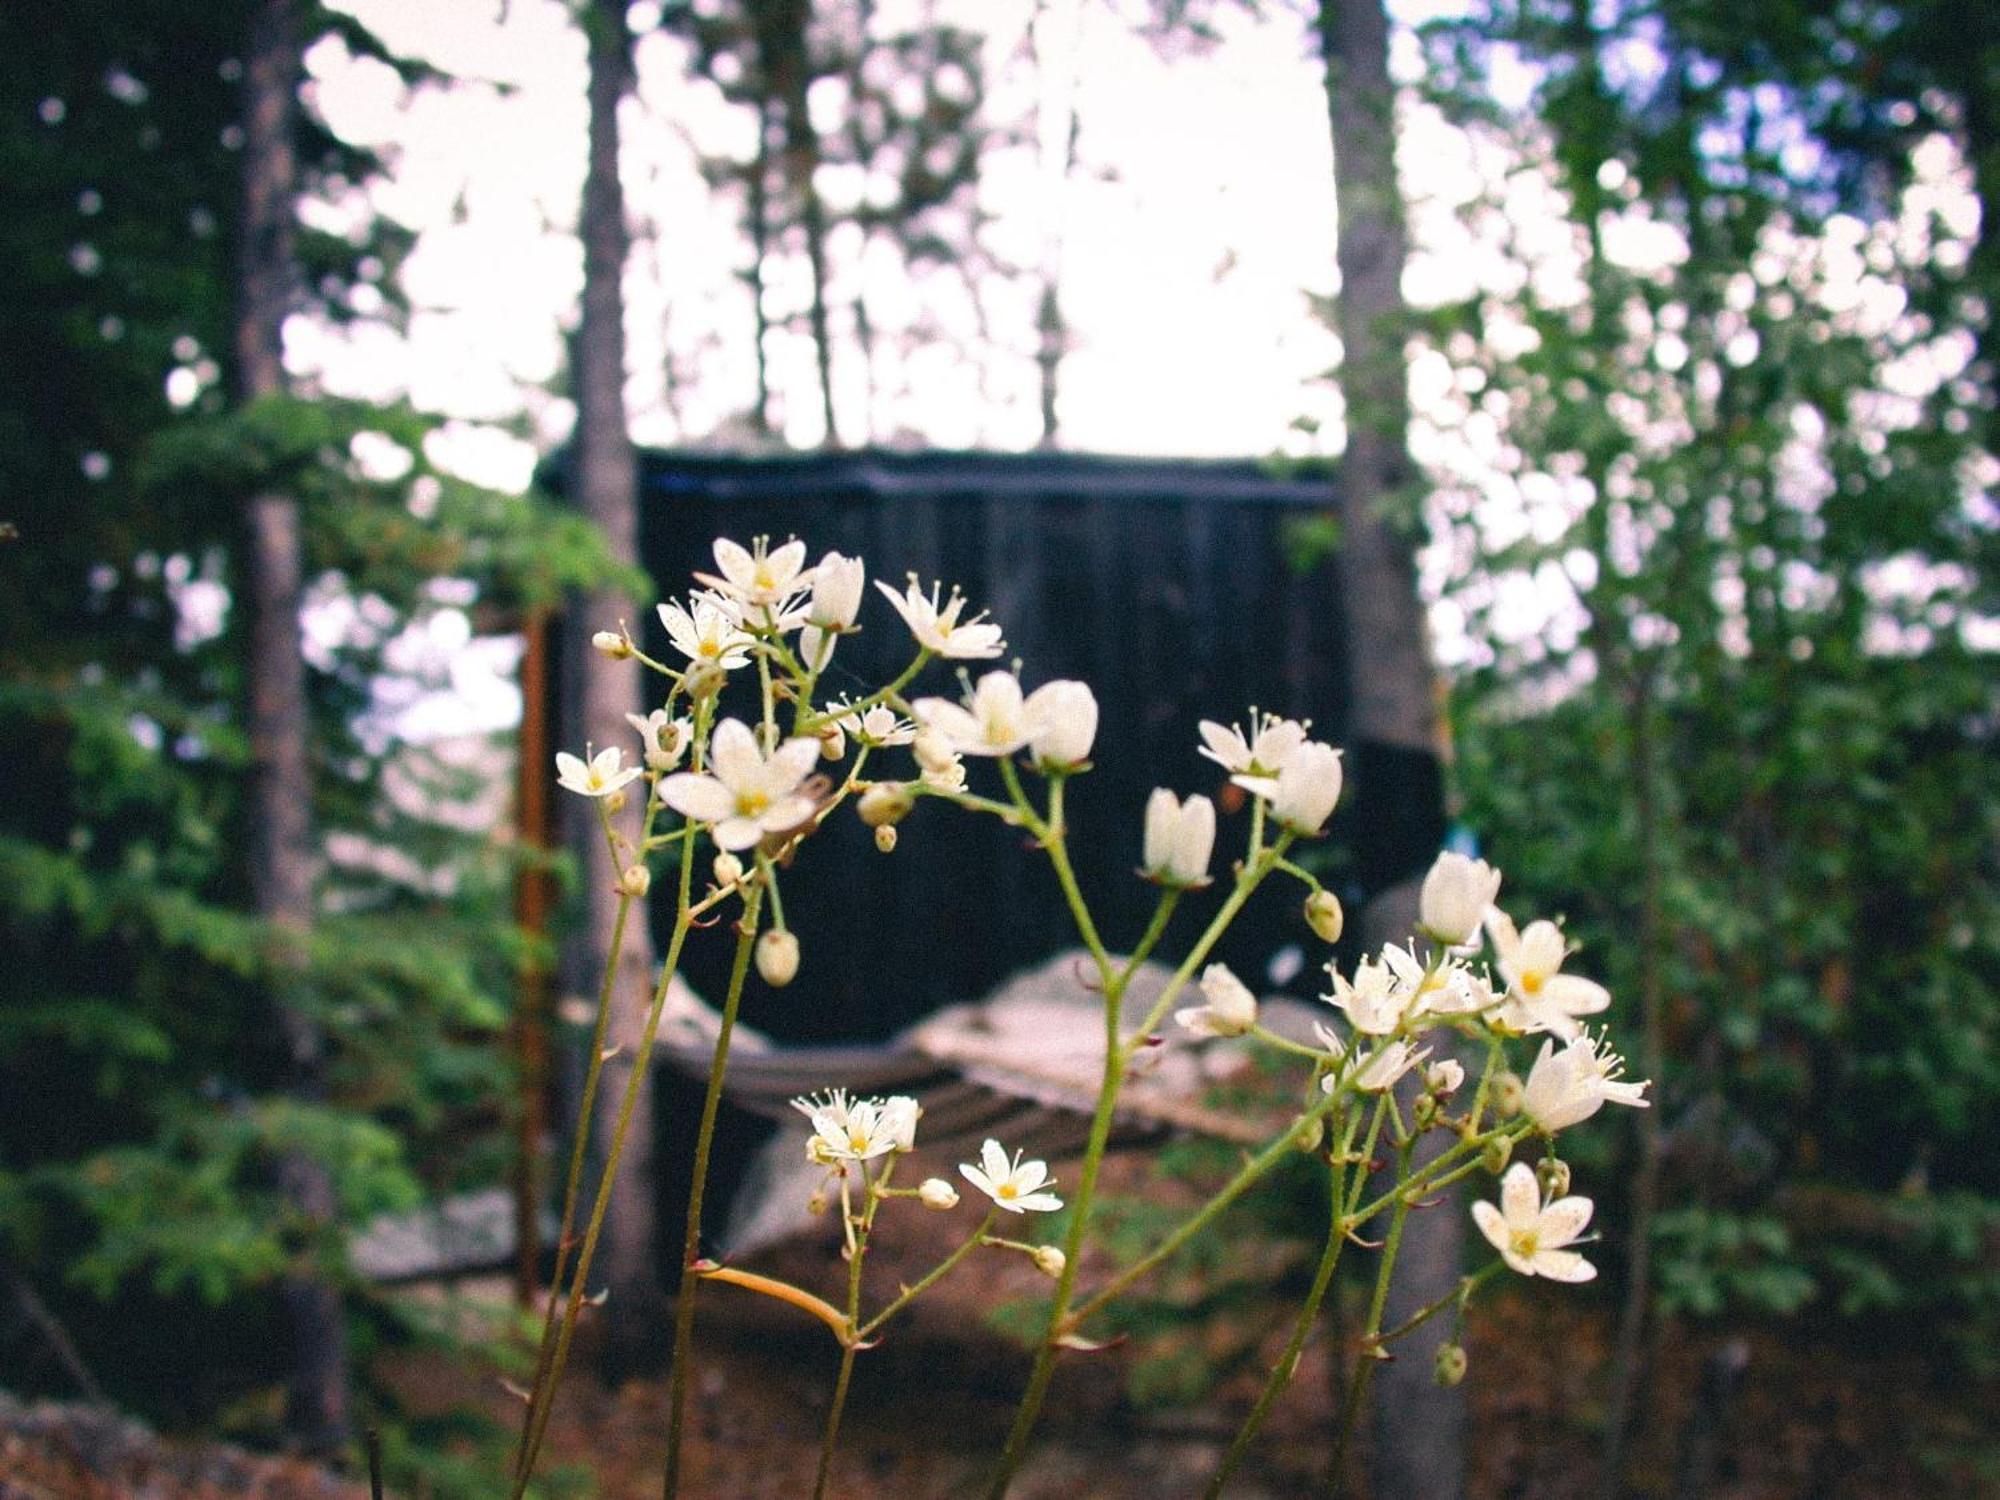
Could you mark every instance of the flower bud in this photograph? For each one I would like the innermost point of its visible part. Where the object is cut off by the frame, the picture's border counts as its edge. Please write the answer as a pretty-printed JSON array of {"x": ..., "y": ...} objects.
[
  {"x": 1050, "y": 1261},
  {"x": 1424, "y": 1112},
  {"x": 885, "y": 803},
  {"x": 778, "y": 958},
  {"x": 885, "y": 839},
  {"x": 611, "y": 643},
  {"x": 1455, "y": 896},
  {"x": 818, "y": 1203},
  {"x": 935, "y": 1192},
  {"x": 1449, "y": 1368},
  {"x": 1069, "y": 711},
  {"x": 1553, "y": 1174},
  {"x": 1325, "y": 916},
  {"x": 704, "y": 679},
  {"x": 1494, "y": 1157},
  {"x": 636, "y": 881},
  {"x": 833, "y": 743},
  {"x": 1508, "y": 1094},
  {"x": 1180, "y": 838},
  {"x": 728, "y": 868},
  {"x": 836, "y": 595},
  {"x": 615, "y": 803},
  {"x": 1310, "y": 1133}
]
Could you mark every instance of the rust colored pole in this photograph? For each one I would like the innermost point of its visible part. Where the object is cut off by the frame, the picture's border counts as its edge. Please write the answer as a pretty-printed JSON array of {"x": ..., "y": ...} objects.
[{"x": 531, "y": 913}]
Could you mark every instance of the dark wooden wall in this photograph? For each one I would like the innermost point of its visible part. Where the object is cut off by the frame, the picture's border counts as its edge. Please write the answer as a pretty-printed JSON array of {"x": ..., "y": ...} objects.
[{"x": 1165, "y": 585}]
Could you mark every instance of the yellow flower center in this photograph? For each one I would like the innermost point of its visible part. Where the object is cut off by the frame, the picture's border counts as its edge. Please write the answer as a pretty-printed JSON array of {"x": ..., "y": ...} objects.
[
  {"x": 1532, "y": 982},
  {"x": 1007, "y": 1190},
  {"x": 856, "y": 1141},
  {"x": 751, "y": 804}
]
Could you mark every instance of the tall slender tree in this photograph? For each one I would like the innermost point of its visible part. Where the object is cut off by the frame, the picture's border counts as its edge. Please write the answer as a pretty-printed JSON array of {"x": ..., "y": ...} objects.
[
  {"x": 281, "y": 852},
  {"x": 1419, "y": 1449},
  {"x": 603, "y": 691}
]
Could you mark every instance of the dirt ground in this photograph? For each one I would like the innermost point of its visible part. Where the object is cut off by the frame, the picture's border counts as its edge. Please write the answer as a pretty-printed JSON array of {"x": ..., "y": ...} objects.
[{"x": 1814, "y": 1420}]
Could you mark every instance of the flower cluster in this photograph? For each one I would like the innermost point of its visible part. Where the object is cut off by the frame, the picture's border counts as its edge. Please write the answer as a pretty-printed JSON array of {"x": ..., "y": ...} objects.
[{"x": 755, "y": 782}]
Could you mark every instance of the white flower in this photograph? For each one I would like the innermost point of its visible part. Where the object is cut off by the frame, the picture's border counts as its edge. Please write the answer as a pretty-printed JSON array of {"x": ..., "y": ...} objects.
[
  {"x": 1539, "y": 996},
  {"x": 1374, "y": 1001},
  {"x": 1260, "y": 753},
  {"x": 996, "y": 720},
  {"x": 759, "y": 576},
  {"x": 879, "y": 726},
  {"x": 1531, "y": 1236},
  {"x": 747, "y": 794},
  {"x": 939, "y": 629},
  {"x": 1573, "y": 1084},
  {"x": 1180, "y": 837},
  {"x": 1067, "y": 712},
  {"x": 1231, "y": 1008},
  {"x": 1447, "y": 1077},
  {"x": 1452, "y": 990},
  {"x": 602, "y": 775},
  {"x": 1379, "y": 1071},
  {"x": 836, "y": 596},
  {"x": 1455, "y": 896},
  {"x": 611, "y": 643},
  {"x": 1302, "y": 797},
  {"x": 708, "y": 634},
  {"x": 816, "y": 648},
  {"x": 665, "y": 738},
  {"x": 1015, "y": 1186},
  {"x": 1049, "y": 1260},
  {"x": 857, "y": 1129},
  {"x": 935, "y": 1192}
]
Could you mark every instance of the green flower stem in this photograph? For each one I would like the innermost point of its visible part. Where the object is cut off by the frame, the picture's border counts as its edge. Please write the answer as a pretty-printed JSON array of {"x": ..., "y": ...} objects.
[
  {"x": 1460, "y": 1294},
  {"x": 541, "y": 1389},
  {"x": 1339, "y": 1230},
  {"x": 1286, "y": 1044},
  {"x": 1155, "y": 929},
  {"x": 1247, "y": 881},
  {"x": 938, "y": 1273},
  {"x": 572, "y": 1185},
  {"x": 1371, "y": 1336},
  {"x": 746, "y": 938},
  {"x": 1252, "y": 1172},
  {"x": 857, "y": 1253},
  {"x": 628, "y": 1102},
  {"x": 887, "y": 694}
]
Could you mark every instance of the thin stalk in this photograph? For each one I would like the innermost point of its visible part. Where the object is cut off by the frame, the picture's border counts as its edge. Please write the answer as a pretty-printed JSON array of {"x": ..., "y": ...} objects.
[
  {"x": 1338, "y": 1230},
  {"x": 1371, "y": 1344},
  {"x": 937, "y": 1273},
  {"x": 627, "y": 1104},
  {"x": 857, "y": 1251},
  {"x": 1458, "y": 1294},
  {"x": 1155, "y": 930},
  {"x": 1246, "y": 884},
  {"x": 1248, "y": 1177},
  {"x": 746, "y": 937},
  {"x": 832, "y": 1432},
  {"x": 819, "y": 721},
  {"x": 573, "y": 1185}
]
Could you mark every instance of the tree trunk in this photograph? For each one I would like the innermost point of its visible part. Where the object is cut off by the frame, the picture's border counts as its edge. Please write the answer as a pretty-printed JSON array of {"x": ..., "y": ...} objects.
[
  {"x": 602, "y": 693},
  {"x": 1419, "y": 1426},
  {"x": 280, "y": 855},
  {"x": 785, "y": 46}
]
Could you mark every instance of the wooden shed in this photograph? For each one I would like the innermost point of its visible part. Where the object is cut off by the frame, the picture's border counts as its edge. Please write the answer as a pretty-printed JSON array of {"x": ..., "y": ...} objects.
[{"x": 1180, "y": 590}]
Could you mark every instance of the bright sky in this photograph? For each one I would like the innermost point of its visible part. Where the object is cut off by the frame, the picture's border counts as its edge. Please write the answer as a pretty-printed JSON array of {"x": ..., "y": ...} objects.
[{"x": 1196, "y": 225}]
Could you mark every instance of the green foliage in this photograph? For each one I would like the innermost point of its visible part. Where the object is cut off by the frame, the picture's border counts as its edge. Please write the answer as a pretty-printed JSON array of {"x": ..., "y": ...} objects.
[
  {"x": 1772, "y": 694},
  {"x": 139, "y": 1060}
]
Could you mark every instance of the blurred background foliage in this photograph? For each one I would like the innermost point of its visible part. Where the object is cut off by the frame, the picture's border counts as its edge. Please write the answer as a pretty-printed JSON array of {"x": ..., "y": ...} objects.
[
  {"x": 1754, "y": 767},
  {"x": 137, "y": 1048}
]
